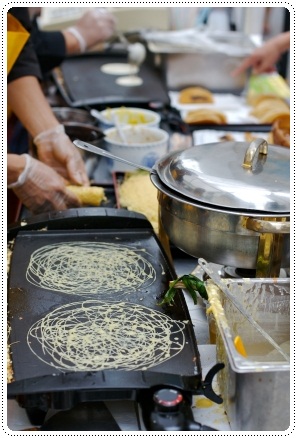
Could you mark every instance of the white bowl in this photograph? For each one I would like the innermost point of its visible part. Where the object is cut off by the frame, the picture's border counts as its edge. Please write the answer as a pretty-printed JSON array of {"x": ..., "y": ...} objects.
[
  {"x": 145, "y": 146},
  {"x": 129, "y": 116}
]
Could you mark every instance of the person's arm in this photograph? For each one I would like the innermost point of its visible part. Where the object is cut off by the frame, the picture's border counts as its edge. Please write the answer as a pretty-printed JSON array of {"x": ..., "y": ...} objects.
[
  {"x": 52, "y": 47},
  {"x": 38, "y": 186},
  {"x": 54, "y": 147},
  {"x": 27, "y": 101},
  {"x": 95, "y": 26},
  {"x": 264, "y": 58}
]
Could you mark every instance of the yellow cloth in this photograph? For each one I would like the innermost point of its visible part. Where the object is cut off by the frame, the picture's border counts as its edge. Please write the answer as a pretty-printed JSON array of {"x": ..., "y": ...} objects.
[{"x": 17, "y": 37}]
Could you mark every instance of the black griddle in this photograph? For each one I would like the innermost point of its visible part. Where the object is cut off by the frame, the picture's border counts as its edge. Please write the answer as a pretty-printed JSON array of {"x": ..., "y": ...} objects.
[
  {"x": 82, "y": 83},
  {"x": 39, "y": 386}
]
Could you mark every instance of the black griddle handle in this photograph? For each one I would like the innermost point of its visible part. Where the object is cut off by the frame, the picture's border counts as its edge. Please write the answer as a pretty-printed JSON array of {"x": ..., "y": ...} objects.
[
  {"x": 81, "y": 218},
  {"x": 206, "y": 385}
]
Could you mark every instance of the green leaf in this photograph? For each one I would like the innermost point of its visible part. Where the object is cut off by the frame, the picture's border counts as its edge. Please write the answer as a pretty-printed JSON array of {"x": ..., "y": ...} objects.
[{"x": 192, "y": 284}]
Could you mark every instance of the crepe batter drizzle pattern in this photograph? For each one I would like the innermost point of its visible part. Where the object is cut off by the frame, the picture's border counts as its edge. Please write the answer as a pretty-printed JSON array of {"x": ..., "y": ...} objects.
[
  {"x": 96, "y": 335},
  {"x": 86, "y": 268}
]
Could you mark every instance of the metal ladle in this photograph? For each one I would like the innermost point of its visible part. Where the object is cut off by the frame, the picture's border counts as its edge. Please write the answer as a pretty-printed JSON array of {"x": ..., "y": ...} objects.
[
  {"x": 96, "y": 150},
  {"x": 136, "y": 51}
]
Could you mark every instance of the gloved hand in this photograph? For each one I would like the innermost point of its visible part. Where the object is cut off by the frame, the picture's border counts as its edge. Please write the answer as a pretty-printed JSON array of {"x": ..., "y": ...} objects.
[
  {"x": 41, "y": 189},
  {"x": 55, "y": 149},
  {"x": 95, "y": 26}
]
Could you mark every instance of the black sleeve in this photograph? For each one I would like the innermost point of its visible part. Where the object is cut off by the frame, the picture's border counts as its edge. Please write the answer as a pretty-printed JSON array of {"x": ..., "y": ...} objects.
[
  {"x": 27, "y": 63},
  {"x": 50, "y": 47}
]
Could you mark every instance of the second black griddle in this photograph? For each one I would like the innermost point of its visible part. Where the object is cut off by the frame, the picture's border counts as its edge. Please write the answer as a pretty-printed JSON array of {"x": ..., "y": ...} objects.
[{"x": 82, "y": 83}]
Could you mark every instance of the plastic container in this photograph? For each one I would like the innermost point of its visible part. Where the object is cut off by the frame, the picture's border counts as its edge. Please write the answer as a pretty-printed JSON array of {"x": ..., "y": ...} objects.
[{"x": 256, "y": 388}]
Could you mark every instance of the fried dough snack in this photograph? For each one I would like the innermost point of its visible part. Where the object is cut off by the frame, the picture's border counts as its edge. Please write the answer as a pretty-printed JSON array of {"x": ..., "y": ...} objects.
[
  {"x": 205, "y": 116},
  {"x": 281, "y": 131},
  {"x": 92, "y": 196},
  {"x": 254, "y": 100},
  {"x": 268, "y": 108},
  {"x": 195, "y": 95}
]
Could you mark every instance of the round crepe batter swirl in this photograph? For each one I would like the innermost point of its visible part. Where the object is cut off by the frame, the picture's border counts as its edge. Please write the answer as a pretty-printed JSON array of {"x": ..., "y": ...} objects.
[
  {"x": 88, "y": 268},
  {"x": 96, "y": 335}
]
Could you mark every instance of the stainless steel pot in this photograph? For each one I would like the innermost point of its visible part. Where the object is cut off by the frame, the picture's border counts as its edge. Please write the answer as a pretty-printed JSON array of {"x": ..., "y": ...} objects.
[
  {"x": 226, "y": 202},
  {"x": 250, "y": 232}
]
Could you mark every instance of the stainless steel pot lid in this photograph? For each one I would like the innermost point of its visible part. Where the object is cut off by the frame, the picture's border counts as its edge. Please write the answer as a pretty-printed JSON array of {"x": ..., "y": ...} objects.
[{"x": 233, "y": 175}]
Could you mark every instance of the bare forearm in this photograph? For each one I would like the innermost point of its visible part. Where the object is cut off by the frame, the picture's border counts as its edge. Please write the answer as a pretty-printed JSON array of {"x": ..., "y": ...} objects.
[
  {"x": 283, "y": 41},
  {"x": 72, "y": 44},
  {"x": 27, "y": 101},
  {"x": 15, "y": 166}
]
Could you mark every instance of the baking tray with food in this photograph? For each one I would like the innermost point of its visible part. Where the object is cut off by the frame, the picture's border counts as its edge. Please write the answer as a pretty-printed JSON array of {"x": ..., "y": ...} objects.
[
  {"x": 199, "y": 106},
  {"x": 202, "y": 135},
  {"x": 83, "y": 311}
]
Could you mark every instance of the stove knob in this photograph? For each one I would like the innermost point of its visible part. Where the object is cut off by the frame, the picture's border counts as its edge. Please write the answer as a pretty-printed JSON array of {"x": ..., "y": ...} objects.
[{"x": 167, "y": 400}]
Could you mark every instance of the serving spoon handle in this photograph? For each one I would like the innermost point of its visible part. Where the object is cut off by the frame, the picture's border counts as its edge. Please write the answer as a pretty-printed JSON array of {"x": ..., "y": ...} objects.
[{"x": 96, "y": 150}]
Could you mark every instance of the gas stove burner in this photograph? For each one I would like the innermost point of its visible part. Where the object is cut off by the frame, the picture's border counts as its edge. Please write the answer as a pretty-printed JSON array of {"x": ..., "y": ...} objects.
[{"x": 231, "y": 272}]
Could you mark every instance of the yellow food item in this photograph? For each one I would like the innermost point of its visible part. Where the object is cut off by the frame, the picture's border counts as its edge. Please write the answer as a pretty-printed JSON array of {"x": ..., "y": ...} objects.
[
  {"x": 254, "y": 100},
  {"x": 91, "y": 195},
  {"x": 271, "y": 84},
  {"x": 128, "y": 116},
  {"x": 239, "y": 346},
  {"x": 9, "y": 361},
  {"x": 281, "y": 131},
  {"x": 137, "y": 193},
  {"x": 205, "y": 116},
  {"x": 270, "y": 104},
  {"x": 9, "y": 367},
  {"x": 269, "y": 108},
  {"x": 195, "y": 95},
  {"x": 249, "y": 136},
  {"x": 272, "y": 115},
  {"x": 203, "y": 402}
]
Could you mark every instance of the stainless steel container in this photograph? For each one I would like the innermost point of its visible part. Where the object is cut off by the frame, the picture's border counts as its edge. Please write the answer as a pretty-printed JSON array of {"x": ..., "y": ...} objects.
[
  {"x": 256, "y": 388},
  {"x": 213, "y": 205},
  {"x": 208, "y": 65},
  {"x": 209, "y": 70}
]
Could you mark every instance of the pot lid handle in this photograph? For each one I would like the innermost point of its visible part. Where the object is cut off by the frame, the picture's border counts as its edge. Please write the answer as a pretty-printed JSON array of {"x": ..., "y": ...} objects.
[{"x": 257, "y": 146}]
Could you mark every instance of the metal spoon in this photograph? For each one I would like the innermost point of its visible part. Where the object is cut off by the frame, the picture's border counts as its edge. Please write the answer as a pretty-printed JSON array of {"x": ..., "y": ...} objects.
[
  {"x": 119, "y": 128},
  {"x": 96, "y": 150}
]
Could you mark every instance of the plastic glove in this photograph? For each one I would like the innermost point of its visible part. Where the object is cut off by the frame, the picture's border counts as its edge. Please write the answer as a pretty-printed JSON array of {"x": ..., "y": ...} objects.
[
  {"x": 41, "y": 189},
  {"x": 95, "y": 26},
  {"x": 55, "y": 149}
]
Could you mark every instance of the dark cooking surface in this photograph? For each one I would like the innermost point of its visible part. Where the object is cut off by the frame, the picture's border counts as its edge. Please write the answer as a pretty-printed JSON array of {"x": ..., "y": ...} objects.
[
  {"x": 29, "y": 303},
  {"x": 81, "y": 82}
]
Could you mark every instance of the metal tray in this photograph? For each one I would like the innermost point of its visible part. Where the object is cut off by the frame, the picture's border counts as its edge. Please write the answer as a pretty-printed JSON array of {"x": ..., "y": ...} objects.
[
  {"x": 256, "y": 388},
  {"x": 28, "y": 303},
  {"x": 81, "y": 82}
]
